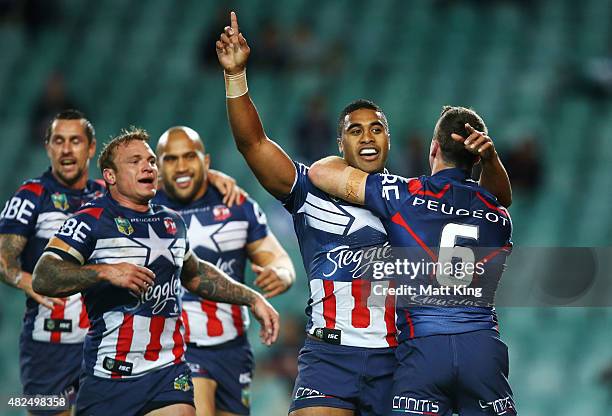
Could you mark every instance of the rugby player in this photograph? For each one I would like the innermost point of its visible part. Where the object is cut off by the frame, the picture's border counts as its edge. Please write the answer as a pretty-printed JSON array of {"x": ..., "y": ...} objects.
[
  {"x": 51, "y": 340},
  {"x": 129, "y": 258},
  {"x": 218, "y": 350},
  {"x": 451, "y": 357},
  {"x": 347, "y": 363}
]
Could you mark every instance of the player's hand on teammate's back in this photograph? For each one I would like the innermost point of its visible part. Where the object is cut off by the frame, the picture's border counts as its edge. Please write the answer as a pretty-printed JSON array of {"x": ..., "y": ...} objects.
[
  {"x": 25, "y": 284},
  {"x": 478, "y": 143},
  {"x": 268, "y": 318},
  {"x": 232, "y": 193},
  {"x": 272, "y": 280},
  {"x": 127, "y": 275},
  {"x": 232, "y": 48}
]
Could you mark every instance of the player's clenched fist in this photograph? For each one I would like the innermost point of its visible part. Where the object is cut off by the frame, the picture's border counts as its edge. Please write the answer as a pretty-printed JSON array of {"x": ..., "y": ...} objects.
[
  {"x": 232, "y": 48},
  {"x": 130, "y": 276}
]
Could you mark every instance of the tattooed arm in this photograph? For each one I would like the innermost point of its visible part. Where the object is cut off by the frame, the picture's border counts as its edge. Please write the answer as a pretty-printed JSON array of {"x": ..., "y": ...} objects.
[
  {"x": 11, "y": 247},
  {"x": 56, "y": 276},
  {"x": 207, "y": 281}
]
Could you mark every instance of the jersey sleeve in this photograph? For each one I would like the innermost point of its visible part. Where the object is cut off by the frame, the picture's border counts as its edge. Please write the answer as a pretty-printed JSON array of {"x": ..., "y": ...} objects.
[
  {"x": 385, "y": 194},
  {"x": 20, "y": 213},
  {"x": 77, "y": 235},
  {"x": 299, "y": 190},
  {"x": 258, "y": 224}
]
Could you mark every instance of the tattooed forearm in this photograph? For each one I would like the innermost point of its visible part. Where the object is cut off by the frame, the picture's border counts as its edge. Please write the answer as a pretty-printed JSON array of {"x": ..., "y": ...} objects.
[
  {"x": 59, "y": 278},
  {"x": 209, "y": 282},
  {"x": 11, "y": 246}
]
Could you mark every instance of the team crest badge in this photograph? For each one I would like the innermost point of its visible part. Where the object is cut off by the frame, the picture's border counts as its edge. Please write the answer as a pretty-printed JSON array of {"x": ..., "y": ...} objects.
[
  {"x": 124, "y": 226},
  {"x": 60, "y": 201},
  {"x": 221, "y": 212},
  {"x": 245, "y": 396},
  {"x": 182, "y": 383},
  {"x": 170, "y": 225}
]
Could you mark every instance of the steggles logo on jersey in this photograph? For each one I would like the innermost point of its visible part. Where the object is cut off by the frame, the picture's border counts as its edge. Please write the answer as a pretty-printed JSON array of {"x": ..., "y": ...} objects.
[
  {"x": 221, "y": 212},
  {"x": 160, "y": 296},
  {"x": 337, "y": 219},
  {"x": 170, "y": 225},
  {"x": 360, "y": 262},
  {"x": 124, "y": 226},
  {"x": 60, "y": 201}
]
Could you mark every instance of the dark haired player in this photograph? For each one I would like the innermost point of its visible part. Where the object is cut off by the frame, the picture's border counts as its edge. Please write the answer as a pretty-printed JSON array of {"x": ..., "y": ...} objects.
[
  {"x": 347, "y": 362},
  {"x": 450, "y": 357},
  {"x": 51, "y": 341},
  {"x": 129, "y": 258},
  {"x": 218, "y": 350}
]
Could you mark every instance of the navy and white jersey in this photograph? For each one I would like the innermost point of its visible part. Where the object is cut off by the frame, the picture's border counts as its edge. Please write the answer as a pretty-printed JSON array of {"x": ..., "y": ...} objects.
[
  {"x": 36, "y": 211},
  {"x": 219, "y": 235},
  {"x": 131, "y": 334},
  {"x": 444, "y": 210},
  {"x": 339, "y": 243}
]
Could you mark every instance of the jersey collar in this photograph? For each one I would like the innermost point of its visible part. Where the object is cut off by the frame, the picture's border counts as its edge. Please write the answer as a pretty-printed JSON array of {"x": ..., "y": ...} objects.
[{"x": 453, "y": 173}]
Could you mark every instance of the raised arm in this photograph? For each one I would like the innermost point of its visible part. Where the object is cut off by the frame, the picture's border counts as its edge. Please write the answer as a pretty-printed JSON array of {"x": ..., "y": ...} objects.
[
  {"x": 59, "y": 273},
  {"x": 272, "y": 265},
  {"x": 207, "y": 281},
  {"x": 334, "y": 176},
  {"x": 494, "y": 177},
  {"x": 270, "y": 164}
]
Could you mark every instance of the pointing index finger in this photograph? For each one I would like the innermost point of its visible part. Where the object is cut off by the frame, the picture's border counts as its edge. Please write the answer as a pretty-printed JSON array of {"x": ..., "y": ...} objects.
[{"x": 234, "y": 22}]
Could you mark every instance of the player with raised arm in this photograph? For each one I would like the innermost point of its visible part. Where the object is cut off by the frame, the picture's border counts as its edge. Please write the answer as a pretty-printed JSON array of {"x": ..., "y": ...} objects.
[
  {"x": 51, "y": 341},
  {"x": 129, "y": 258},
  {"x": 347, "y": 362},
  {"x": 451, "y": 356},
  {"x": 218, "y": 351}
]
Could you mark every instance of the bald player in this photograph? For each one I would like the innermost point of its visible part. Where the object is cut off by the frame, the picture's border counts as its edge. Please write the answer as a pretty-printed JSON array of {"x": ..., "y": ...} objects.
[{"x": 218, "y": 351}]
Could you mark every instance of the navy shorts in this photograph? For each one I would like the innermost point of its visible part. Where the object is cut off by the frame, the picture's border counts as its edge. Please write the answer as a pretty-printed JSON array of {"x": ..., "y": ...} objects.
[
  {"x": 161, "y": 388},
  {"x": 344, "y": 377},
  {"x": 465, "y": 373},
  {"x": 231, "y": 366},
  {"x": 50, "y": 369}
]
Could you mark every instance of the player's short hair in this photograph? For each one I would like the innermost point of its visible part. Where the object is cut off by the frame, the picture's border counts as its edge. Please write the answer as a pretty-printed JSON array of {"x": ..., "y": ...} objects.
[
  {"x": 71, "y": 114},
  {"x": 126, "y": 136},
  {"x": 357, "y": 105},
  {"x": 452, "y": 120}
]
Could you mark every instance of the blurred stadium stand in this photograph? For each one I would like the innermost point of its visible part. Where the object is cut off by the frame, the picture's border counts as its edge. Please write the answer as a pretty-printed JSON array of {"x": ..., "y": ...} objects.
[{"x": 515, "y": 62}]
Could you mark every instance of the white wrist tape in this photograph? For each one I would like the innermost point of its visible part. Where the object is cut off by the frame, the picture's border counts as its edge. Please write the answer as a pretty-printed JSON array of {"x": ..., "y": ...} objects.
[{"x": 236, "y": 84}]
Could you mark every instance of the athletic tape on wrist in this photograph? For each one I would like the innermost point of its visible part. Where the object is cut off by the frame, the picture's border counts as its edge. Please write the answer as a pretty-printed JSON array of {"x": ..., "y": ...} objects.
[{"x": 235, "y": 84}]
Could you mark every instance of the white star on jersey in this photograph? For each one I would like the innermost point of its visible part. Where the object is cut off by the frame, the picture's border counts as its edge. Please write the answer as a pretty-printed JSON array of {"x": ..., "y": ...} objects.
[
  {"x": 363, "y": 218},
  {"x": 157, "y": 247},
  {"x": 202, "y": 235}
]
